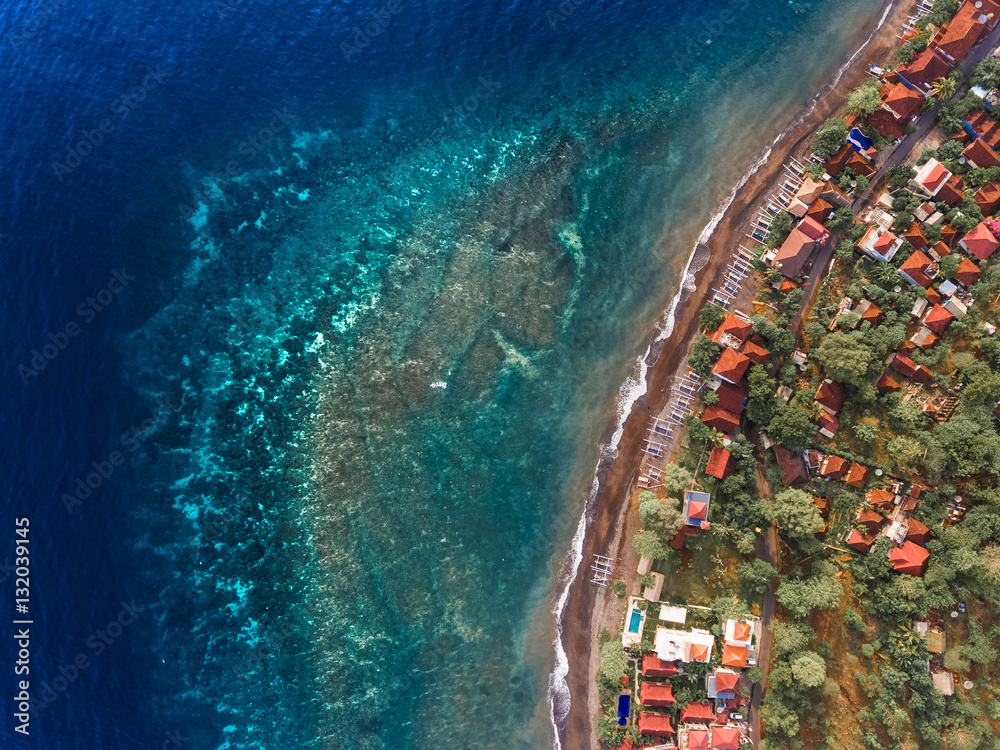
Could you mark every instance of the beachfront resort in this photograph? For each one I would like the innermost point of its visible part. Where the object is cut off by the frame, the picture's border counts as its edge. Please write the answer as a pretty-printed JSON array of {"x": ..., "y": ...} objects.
[{"x": 826, "y": 470}]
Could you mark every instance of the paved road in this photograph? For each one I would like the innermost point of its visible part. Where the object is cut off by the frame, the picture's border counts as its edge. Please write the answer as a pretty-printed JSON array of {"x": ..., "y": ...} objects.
[{"x": 766, "y": 549}]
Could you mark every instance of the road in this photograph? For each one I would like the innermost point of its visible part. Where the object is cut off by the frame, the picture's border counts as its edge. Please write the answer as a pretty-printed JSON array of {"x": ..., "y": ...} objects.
[{"x": 766, "y": 549}]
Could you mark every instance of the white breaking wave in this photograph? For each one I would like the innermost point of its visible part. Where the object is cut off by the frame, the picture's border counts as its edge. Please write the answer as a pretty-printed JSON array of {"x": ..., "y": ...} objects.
[{"x": 635, "y": 387}]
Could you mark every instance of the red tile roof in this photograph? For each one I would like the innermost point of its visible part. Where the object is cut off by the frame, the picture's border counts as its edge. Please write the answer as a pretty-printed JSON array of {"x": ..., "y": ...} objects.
[
  {"x": 654, "y": 666},
  {"x": 937, "y": 319},
  {"x": 903, "y": 365},
  {"x": 731, "y": 366},
  {"x": 734, "y": 326},
  {"x": 700, "y": 652},
  {"x": 721, "y": 463},
  {"x": 696, "y": 711},
  {"x": 981, "y": 155},
  {"x": 934, "y": 296},
  {"x": 717, "y": 417},
  {"x": 909, "y": 559},
  {"x": 904, "y": 101},
  {"x": 916, "y": 266},
  {"x": 882, "y": 499},
  {"x": 793, "y": 468},
  {"x": 884, "y": 243},
  {"x": 936, "y": 178},
  {"x": 968, "y": 273},
  {"x": 656, "y": 694},
  {"x": 741, "y": 632},
  {"x": 656, "y": 724},
  {"x": 794, "y": 252},
  {"x": 917, "y": 532},
  {"x": 698, "y": 739},
  {"x": 734, "y": 656},
  {"x": 828, "y": 424},
  {"x": 925, "y": 68},
  {"x": 887, "y": 383},
  {"x": 725, "y": 738},
  {"x": 831, "y": 395},
  {"x": 819, "y": 210},
  {"x": 981, "y": 242},
  {"x": 833, "y": 467},
  {"x": 732, "y": 398},
  {"x": 870, "y": 520},
  {"x": 962, "y": 33},
  {"x": 873, "y": 313},
  {"x": 860, "y": 542},
  {"x": 726, "y": 682},
  {"x": 857, "y": 475},
  {"x": 915, "y": 236},
  {"x": 953, "y": 191},
  {"x": 755, "y": 352},
  {"x": 988, "y": 198},
  {"x": 698, "y": 510},
  {"x": 813, "y": 229}
]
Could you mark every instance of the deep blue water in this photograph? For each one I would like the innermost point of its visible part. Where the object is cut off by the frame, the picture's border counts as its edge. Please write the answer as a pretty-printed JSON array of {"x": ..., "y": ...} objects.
[{"x": 334, "y": 404}]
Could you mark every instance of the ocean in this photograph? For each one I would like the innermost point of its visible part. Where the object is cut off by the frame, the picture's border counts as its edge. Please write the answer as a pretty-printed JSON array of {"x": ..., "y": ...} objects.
[{"x": 316, "y": 318}]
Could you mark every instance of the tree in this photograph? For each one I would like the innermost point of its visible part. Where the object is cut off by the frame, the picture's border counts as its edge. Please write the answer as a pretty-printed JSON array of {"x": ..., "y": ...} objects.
[
  {"x": 840, "y": 219},
  {"x": 800, "y": 596},
  {"x": 943, "y": 88},
  {"x": 797, "y": 513},
  {"x": 703, "y": 356},
  {"x": 648, "y": 544},
  {"x": 809, "y": 669},
  {"x": 967, "y": 447},
  {"x": 779, "y": 229},
  {"x": 756, "y": 575},
  {"x": 792, "y": 428},
  {"x": 830, "y": 137},
  {"x": 987, "y": 73},
  {"x": 843, "y": 358},
  {"x": 865, "y": 99},
  {"x": 949, "y": 264},
  {"x": 661, "y": 516},
  {"x": 711, "y": 316},
  {"x": 762, "y": 399},
  {"x": 676, "y": 479},
  {"x": 899, "y": 176},
  {"x": 614, "y": 662}
]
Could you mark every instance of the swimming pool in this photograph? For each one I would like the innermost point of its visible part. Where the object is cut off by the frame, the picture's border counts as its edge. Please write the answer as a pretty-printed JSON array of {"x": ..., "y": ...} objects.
[
  {"x": 859, "y": 140},
  {"x": 634, "y": 620},
  {"x": 624, "y": 702}
]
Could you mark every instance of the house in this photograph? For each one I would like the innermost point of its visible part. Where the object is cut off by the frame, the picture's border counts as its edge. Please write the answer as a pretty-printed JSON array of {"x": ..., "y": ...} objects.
[
  {"x": 857, "y": 475},
  {"x": 828, "y": 426},
  {"x": 979, "y": 154},
  {"x": 820, "y": 210},
  {"x": 931, "y": 177},
  {"x": 755, "y": 352},
  {"x": 830, "y": 396},
  {"x": 655, "y": 724},
  {"x": 814, "y": 230},
  {"x": 968, "y": 273},
  {"x": 937, "y": 642},
  {"x": 726, "y": 683},
  {"x": 903, "y": 102},
  {"x": 917, "y": 532},
  {"x": 869, "y": 312},
  {"x": 925, "y": 338},
  {"x": 908, "y": 368},
  {"x": 794, "y": 252},
  {"x": 696, "y": 739},
  {"x": 696, "y": 508},
  {"x": 944, "y": 681},
  {"x": 654, "y": 666},
  {"x": 924, "y": 69},
  {"x": 980, "y": 242},
  {"x": 887, "y": 383},
  {"x": 734, "y": 656},
  {"x": 656, "y": 694},
  {"x": 804, "y": 197},
  {"x": 918, "y": 269},
  {"x": 717, "y": 417},
  {"x": 683, "y": 645},
  {"x": 697, "y": 712},
  {"x": 937, "y": 319},
  {"x": 988, "y": 198},
  {"x": 860, "y": 542},
  {"x": 952, "y": 192},
  {"x": 652, "y": 593},
  {"x": 881, "y": 499},
  {"x": 879, "y": 243},
  {"x": 731, "y": 366},
  {"x": 732, "y": 332},
  {"x": 956, "y": 307},
  {"x": 909, "y": 559},
  {"x": 721, "y": 463},
  {"x": 871, "y": 520},
  {"x": 847, "y": 157},
  {"x": 961, "y": 34},
  {"x": 948, "y": 288},
  {"x": 833, "y": 467},
  {"x": 725, "y": 738},
  {"x": 915, "y": 236},
  {"x": 793, "y": 470},
  {"x": 732, "y": 398},
  {"x": 739, "y": 633}
]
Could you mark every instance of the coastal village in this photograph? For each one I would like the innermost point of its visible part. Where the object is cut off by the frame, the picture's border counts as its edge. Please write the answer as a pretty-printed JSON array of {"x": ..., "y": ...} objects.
[{"x": 819, "y": 554}]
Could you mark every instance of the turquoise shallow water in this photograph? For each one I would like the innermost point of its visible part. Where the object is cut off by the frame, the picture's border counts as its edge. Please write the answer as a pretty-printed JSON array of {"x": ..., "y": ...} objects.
[{"x": 393, "y": 342}]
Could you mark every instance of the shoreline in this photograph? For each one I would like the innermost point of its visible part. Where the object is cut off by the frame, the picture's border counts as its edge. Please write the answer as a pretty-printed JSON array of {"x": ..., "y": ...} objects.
[{"x": 600, "y": 528}]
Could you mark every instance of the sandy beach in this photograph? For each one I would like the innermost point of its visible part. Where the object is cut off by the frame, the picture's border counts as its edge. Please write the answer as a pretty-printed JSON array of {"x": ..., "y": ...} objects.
[{"x": 612, "y": 526}]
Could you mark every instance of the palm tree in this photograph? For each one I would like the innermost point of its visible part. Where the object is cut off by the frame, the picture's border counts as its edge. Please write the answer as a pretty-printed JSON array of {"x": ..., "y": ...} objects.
[
  {"x": 886, "y": 274},
  {"x": 943, "y": 88}
]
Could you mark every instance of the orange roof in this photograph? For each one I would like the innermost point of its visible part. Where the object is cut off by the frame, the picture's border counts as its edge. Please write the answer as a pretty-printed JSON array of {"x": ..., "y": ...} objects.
[
  {"x": 952, "y": 191},
  {"x": 881, "y": 498},
  {"x": 732, "y": 398},
  {"x": 720, "y": 419},
  {"x": 981, "y": 242},
  {"x": 657, "y": 724},
  {"x": 915, "y": 236},
  {"x": 656, "y": 694},
  {"x": 755, "y": 352},
  {"x": 872, "y": 313},
  {"x": 936, "y": 178},
  {"x": 962, "y": 33},
  {"x": 654, "y": 666},
  {"x": 698, "y": 739},
  {"x": 904, "y": 101},
  {"x": 700, "y": 652},
  {"x": 925, "y": 68},
  {"x": 741, "y": 632},
  {"x": 726, "y": 682},
  {"x": 917, "y": 532},
  {"x": 909, "y": 558},
  {"x": 833, "y": 467},
  {"x": 869, "y": 519},
  {"x": 735, "y": 327},
  {"x": 697, "y": 509},
  {"x": 794, "y": 252},
  {"x": 831, "y": 395},
  {"x": 858, "y": 541},
  {"x": 887, "y": 383},
  {"x": 734, "y": 656},
  {"x": 857, "y": 475},
  {"x": 731, "y": 366},
  {"x": 696, "y": 711},
  {"x": 968, "y": 273},
  {"x": 981, "y": 155},
  {"x": 828, "y": 424},
  {"x": 915, "y": 267},
  {"x": 721, "y": 463},
  {"x": 725, "y": 738},
  {"x": 937, "y": 319},
  {"x": 988, "y": 198}
]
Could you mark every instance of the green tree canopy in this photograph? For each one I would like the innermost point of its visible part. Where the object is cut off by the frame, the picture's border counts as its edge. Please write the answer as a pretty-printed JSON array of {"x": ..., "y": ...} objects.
[
  {"x": 840, "y": 219},
  {"x": 819, "y": 590},
  {"x": 651, "y": 545},
  {"x": 711, "y": 316},
  {"x": 809, "y": 669},
  {"x": 792, "y": 428},
  {"x": 899, "y": 176},
  {"x": 703, "y": 356},
  {"x": 797, "y": 512},
  {"x": 676, "y": 480},
  {"x": 614, "y": 662},
  {"x": 830, "y": 137},
  {"x": 662, "y": 516},
  {"x": 865, "y": 99},
  {"x": 762, "y": 401},
  {"x": 756, "y": 574},
  {"x": 843, "y": 358},
  {"x": 779, "y": 229}
]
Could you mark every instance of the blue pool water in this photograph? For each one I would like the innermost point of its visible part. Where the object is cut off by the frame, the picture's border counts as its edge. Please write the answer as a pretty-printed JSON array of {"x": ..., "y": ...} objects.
[
  {"x": 624, "y": 702},
  {"x": 634, "y": 619},
  {"x": 859, "y": 140}
]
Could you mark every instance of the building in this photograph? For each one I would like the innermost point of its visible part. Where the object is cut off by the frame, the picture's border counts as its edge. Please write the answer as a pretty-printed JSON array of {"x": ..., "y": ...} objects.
[
  {"x": 979, "y": 154},
  {"x": 804, "y": 197},
  {"x": 869, "y": 312},
  {"x": 857, "y": 475},
  {"x": 903, "y": 102},
  {"x": 721, "y": 463},
  {"x": 731, "y": 367},
  {"x": 917, "y": 532},
  {"x": 925, "y": 69},
  {"x": 793, "y": 469},
  {"x": 887, "y": 383},
  {"x": 656, "y": 694},
  {"x": 915, "y": 236},
  {"x": 879, "y": 243},
  {"x": 732, "y": 332},
  {"x": 908, "y": 368},
  {"x": 833, "y": 467},
  {"x": 924, "y": 338},
  {"x": 980, "y": 242},
  {"x": 937, "y": 319},
  {"x": 944, "y": 681},
  {"x": 732, "y": 398},
  {"x": 654, "y": 724},
  {"x": 828, "y": 426},
  {"x": 717, "y": 417},
  {"x": 961, "y": 34},
  {"x": 692, "y": 739},
  {"x": 830, "y": 397},
  {"x": 871, "y": 520},
  {"x": 910, "y": 559},
  {"x": 696, "y": 508},
  {"x": 988, "y": 198},
  {"x": 968, "y": 273},
  {"x": 725, "y": 738},
  {"x": 698, "y": 712},
  {"x": 918, "y": 269},
  {"x": 723, "y": 683},
  {"x": 684, "y": 645},
  {"x": 860, "y": 542},
  {"x": 882, "y": 499},
  {"x": 931, "y": 178},
  {"x": 755, "y": 352},
  {"x": 734, "y": 656},
  {"x": 654, "y": 666}
]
